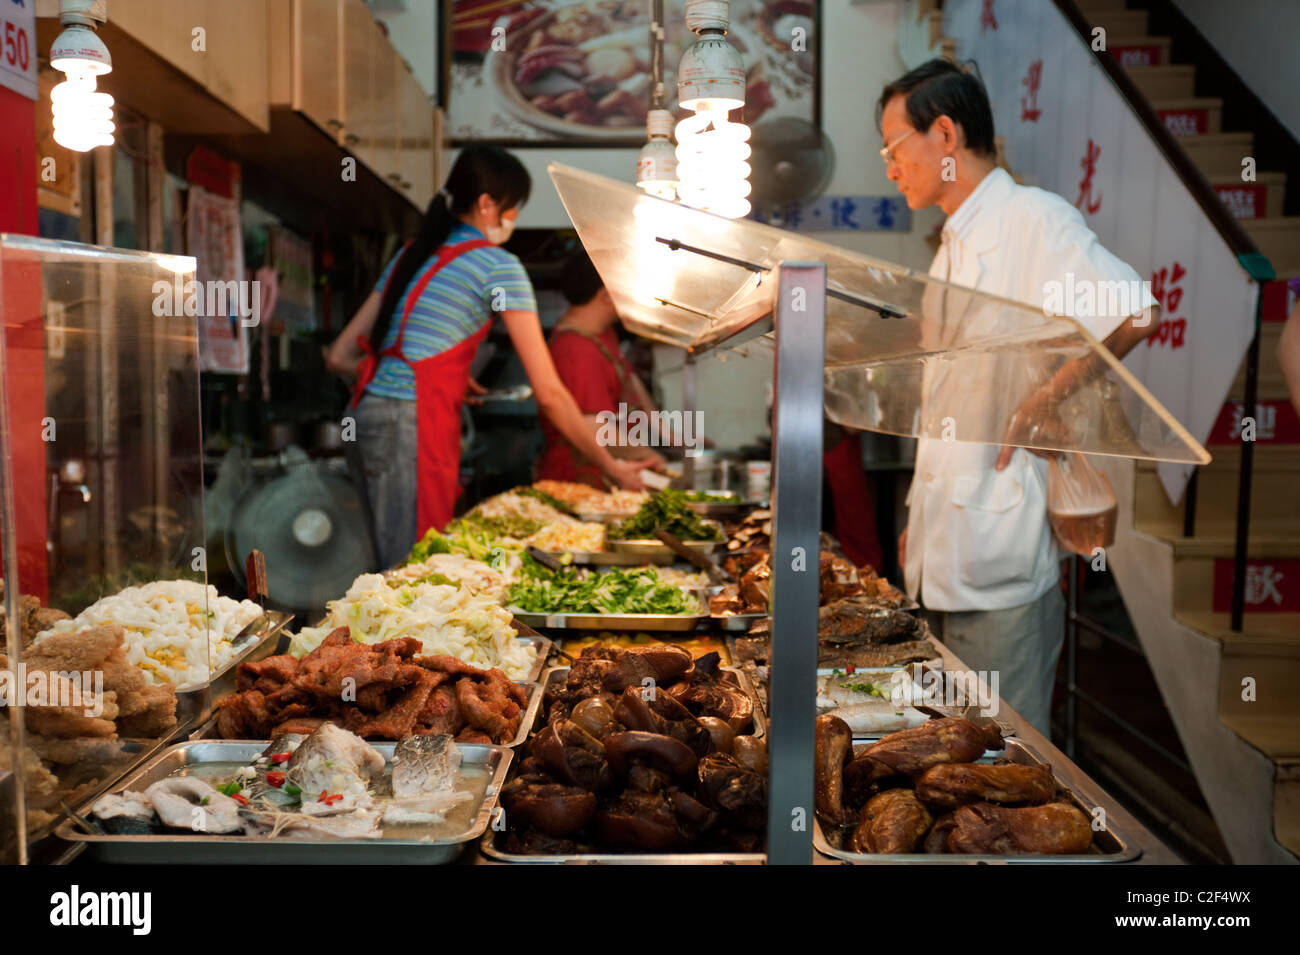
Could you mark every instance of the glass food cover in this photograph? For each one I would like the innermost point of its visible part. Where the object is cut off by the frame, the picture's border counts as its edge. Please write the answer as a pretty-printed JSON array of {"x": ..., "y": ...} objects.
[
  {"x": 113, "y": 633},
  {"x": 906, "y": 354}
]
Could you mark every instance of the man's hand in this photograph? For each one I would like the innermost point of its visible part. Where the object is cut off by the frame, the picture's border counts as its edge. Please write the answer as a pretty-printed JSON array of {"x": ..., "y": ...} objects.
[
  {"x": 472, "y": 391},
  {"x": 1036, "y": 421}
]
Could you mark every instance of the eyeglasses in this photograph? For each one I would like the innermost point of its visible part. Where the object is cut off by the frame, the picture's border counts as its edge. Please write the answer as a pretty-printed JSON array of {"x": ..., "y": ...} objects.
[{"x": 887, "y": 155}]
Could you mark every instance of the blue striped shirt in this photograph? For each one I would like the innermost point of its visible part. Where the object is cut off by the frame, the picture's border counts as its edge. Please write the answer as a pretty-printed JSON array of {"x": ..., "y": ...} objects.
[{"x": 456, "y": 303}]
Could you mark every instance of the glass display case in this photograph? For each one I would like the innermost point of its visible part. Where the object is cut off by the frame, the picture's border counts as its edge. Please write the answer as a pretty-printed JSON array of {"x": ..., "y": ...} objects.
[
  {"x": 113, "y": 635},
  {"x": 906, "y": 354}
]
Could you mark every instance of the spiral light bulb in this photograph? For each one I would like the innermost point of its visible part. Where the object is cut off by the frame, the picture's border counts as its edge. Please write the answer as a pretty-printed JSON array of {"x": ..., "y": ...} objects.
[
  {"x": 711, "y": 162},
  {"x": 83, "y": 117}
]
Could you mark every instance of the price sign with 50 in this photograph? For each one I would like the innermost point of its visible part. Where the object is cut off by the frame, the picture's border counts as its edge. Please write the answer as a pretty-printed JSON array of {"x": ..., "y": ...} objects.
[{"x": 18, "y": 47}]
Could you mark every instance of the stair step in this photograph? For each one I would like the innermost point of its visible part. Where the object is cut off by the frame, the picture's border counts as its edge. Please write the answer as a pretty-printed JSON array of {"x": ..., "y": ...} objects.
[
  {"x": 1219, "y": 539},
  {"x": 1117, "y": 22},
  {"x": 1139, "y": 50},
  {"x": 1272, "y": 495},
  {"x": 1252, "y": 200},
  {"x": 1258, "y": 676},
  {"x": 1274, "y": 736},
  {"x": 1279, "y": 239},
  {"x": 1164, "y": 82},
  {"x": 1276, "y": 423},
  {"x": 1272, "y": 586},
  {"x": 1266, "y": 630},
  {"x": 1218, "y": 154},
  {"x": 1191, "y": 115}
]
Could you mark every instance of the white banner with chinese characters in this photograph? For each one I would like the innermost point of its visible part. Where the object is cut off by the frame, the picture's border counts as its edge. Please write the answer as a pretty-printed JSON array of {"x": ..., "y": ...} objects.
[{"x": 1067, "y": 129}]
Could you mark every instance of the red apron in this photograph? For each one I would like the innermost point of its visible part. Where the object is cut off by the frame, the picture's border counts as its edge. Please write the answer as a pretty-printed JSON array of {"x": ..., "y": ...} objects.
[{"x": 440, "y": 382}]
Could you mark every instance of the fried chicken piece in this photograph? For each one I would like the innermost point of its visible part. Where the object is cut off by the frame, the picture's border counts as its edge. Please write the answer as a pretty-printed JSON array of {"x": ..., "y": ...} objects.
[
  {"x": 158, "y": 717},
  {"x": 278, "y": 669},
  {"x": 470, "y": 735},
  {"x": 483, "y": 705},
  {"x": 38, "y": 619},
  {"x": 69, "y": 716},
  {"x": 398, "y": 720},
  {"x": 88, "y": 750},
  {"x": 442, "y": 713}
]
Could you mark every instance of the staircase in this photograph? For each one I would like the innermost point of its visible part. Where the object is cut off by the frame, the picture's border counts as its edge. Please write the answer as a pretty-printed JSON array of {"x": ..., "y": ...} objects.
[
  {"x": 1267, "y": 650},
  {"x": 1233, "y": 696}
]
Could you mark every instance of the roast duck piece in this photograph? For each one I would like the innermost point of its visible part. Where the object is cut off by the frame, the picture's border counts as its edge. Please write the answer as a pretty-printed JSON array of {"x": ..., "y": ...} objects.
[
  {"x": 644, "y": 750},
  {"x": 919, "y": 790}
]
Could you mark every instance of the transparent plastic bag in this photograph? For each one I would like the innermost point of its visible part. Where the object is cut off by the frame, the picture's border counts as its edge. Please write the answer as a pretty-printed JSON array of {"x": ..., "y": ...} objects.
[{"x": 1081, "y": 504}]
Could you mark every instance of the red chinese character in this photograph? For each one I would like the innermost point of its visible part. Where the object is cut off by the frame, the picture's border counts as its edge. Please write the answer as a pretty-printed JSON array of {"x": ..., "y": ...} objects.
[
  {"x": 1089, "y": 164},
  {"x": 1163, "y": 287},
  {"x": 987, "y": 19},
  {"x": 1029, "y": 111}
]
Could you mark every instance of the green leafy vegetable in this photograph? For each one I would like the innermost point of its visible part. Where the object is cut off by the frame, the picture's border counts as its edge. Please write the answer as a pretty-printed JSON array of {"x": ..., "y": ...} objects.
[
  {"x": 667, "y": 510},
  {"x": 620, "y": 591}
]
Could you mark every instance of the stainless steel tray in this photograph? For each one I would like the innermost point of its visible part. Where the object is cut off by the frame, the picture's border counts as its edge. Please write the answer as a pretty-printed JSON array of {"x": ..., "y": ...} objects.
[
  {"x": 258, "y": 646},
  {"x": 1108, "y": 845},
  {"x": 610, "y": 558},
  {"x": 543, "y": 645},
  {"x": 720, "y": 508},
  {"x": 489, "y": 849},
  {"x": 212, "y": 849},
  {"x": 612, "y": 621},
  {"x": 735, "y": 622},
  {"x": 654, "y": 548}
]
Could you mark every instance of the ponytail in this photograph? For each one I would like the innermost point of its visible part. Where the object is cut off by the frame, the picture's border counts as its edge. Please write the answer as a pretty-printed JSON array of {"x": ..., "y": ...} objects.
[{"x": 477, "y": 170}]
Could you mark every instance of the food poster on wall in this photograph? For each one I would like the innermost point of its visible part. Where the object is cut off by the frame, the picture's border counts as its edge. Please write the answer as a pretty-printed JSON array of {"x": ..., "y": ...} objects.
[
  {"x": 290, "y": 256},
  {"x": 222, "y": 299},
  {"x": 577, "y": 72}
]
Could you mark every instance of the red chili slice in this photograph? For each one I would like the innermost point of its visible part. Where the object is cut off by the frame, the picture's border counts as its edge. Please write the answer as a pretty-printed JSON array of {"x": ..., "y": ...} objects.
[{"x": 275, "y": 778}]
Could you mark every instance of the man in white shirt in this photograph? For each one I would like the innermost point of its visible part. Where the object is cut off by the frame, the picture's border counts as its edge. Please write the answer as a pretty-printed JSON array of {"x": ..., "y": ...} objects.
[{"x": 978, "y": 551}]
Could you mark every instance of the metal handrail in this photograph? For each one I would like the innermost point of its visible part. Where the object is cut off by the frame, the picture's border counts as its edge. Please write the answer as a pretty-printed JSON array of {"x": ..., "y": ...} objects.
[{"x": 1250, "y": 259}]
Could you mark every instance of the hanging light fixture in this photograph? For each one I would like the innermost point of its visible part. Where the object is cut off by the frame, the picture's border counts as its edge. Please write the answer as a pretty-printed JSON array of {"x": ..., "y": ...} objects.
[
  {"x": 711, "y": 150},
  {"x": 83, "y": 116},
  {"x": 656, "y": 164}
]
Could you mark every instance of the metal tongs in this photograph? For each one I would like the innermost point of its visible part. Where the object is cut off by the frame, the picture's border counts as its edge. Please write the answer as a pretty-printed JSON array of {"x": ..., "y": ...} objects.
[
  {"x": 703, "y": 561},
  {"x": 255, "y": 569}
]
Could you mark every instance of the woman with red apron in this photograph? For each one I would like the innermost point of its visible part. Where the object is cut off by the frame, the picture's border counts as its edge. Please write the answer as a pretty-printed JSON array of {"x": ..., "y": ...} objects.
[
  {"x": 411, "y": 343},
  {"x": 584, "y": 347}
]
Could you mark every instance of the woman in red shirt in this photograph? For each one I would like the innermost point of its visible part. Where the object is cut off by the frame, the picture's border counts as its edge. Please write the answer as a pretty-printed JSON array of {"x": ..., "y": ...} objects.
[{"x": 584, "y": 347}]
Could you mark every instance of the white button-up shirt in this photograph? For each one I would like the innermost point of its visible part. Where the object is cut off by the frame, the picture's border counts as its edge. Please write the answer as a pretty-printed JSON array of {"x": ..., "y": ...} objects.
[{"x": 977, "y": 538}]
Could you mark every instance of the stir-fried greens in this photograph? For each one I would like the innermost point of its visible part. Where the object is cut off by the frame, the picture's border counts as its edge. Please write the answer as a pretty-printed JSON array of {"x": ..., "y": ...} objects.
[
  {"x": 666, "y": 511},
  {"x": 620, "y": 591}
]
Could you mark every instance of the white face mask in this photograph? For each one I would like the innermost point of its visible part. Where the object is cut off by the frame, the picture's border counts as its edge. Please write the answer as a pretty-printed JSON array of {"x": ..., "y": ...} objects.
[{"x": 500, "y": 234}]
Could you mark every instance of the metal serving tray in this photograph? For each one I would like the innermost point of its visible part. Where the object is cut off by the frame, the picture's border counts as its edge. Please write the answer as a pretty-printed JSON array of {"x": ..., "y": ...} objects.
[
  {"x": 213, "y": 849},
  {"x": 612, "y": 621},
  {"x": 720, "y": 508},
  {"x": 610, "y": 558},
  {"x": 735, "y": 622},
  {"x": 257, "y": 646},
  {"x": 655, "y": 548},
  {"x": 489, "y": 849},
  {"x": 1108, "y": 845}
]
